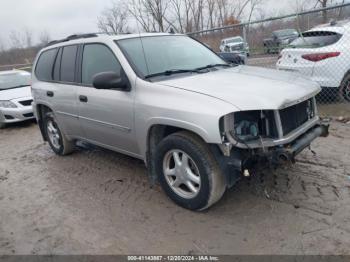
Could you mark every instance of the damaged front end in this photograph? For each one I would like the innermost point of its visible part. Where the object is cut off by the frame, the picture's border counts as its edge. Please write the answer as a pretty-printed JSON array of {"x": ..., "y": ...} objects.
[{"x": 260, "y": 139}]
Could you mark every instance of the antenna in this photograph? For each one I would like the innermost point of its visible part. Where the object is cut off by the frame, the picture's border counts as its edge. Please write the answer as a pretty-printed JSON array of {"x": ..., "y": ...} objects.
[{"x": 143, "y": 48}]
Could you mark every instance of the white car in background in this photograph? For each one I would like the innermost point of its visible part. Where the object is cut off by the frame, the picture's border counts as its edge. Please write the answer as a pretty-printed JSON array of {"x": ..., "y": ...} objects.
[
  {"x": 234, "y": 45},
  {"x": 323, "y": 54},
  {"x": 15, "y": 97}
]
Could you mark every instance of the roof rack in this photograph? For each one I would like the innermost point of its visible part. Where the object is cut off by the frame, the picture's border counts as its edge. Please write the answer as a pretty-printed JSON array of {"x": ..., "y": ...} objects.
[{"x": 73, "y": 37}]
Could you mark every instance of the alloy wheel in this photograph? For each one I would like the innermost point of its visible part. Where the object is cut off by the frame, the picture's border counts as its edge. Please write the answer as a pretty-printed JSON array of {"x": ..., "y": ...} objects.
[{"x": 181, "y": 174}]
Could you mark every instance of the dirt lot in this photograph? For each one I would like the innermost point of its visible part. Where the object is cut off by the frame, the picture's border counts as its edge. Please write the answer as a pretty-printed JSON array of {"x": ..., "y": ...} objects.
[{"x": 99, "y": 202}]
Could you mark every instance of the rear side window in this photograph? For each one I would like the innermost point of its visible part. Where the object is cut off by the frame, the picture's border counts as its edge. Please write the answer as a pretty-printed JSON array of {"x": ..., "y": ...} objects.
[
  {"x": 68, "y": 63},
  {"x": 98, "y": 58},
  {"x": 316, "y": 39},
  {"x": 43, "y": 70}
]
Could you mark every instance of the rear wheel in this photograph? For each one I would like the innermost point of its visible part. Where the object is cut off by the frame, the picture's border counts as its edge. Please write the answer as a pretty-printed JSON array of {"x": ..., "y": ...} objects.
[
  {"x": 57, "y": 140},
  {"x": 345, "y": 88},
  {"x": 188, "y": 172}
]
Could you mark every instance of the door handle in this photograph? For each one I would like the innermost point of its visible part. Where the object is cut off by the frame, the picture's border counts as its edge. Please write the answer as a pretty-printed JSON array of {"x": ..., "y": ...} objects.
[
  {"x": 49, "y": 93},
  {"x": 83, "y": 99}
]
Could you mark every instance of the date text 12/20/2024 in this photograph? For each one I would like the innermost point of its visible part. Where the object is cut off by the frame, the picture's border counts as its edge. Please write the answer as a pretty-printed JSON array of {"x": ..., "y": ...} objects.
[{"x": 173, "y": 258}]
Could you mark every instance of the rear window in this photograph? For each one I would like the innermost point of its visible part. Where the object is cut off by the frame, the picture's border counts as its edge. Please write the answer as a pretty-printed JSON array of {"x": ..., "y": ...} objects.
[
  {"x": 316, "y": 39},
  {"x": 43, "y": 70}
]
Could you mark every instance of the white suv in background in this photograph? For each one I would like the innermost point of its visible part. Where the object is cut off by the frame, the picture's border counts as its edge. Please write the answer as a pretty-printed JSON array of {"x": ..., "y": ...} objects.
[
  {"x": 323, "y": 54},
  {"x": 235, "y": 45}
]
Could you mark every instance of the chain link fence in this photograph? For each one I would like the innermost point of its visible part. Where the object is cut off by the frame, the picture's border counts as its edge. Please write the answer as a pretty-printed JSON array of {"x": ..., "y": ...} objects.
[{"x": 314, "y": 44}]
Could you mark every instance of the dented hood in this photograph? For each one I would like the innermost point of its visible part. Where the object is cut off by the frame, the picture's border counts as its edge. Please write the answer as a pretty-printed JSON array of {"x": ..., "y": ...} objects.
[{"x": 250, "y": 88}]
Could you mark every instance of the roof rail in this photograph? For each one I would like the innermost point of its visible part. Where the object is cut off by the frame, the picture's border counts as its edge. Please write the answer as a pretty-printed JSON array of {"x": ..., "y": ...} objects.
[{"x": 72, "y": 37}]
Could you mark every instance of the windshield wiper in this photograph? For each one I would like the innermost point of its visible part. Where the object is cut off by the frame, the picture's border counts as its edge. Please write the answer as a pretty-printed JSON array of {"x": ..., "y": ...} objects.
[
  {"x": 171, "y": 72},
  {"x": 181, "y": 71},
  {"x": 13, "y": 87},
  {"x": 211, "y": 66}
]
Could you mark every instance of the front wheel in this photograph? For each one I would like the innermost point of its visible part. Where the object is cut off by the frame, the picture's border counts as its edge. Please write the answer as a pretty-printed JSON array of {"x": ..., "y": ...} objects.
[
  {"x": 188, "y": 172},
  {"x": 57, "y": 140}
]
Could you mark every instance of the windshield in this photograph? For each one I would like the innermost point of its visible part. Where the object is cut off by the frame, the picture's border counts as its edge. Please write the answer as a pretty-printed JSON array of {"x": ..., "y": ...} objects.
[
  {"x": 287, "y": 32},
  {"x": 316, "y": 39},
  {"x": 14, "y": 80},
  {"x": 166, "y": 53},
  {"x": 234, "y": 40}
]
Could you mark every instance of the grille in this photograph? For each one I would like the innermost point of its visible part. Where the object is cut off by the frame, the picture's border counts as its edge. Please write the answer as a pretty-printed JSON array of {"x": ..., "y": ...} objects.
[
  {"x": 237, "y": 47},
  {"x": 28, "y": 115},
  {"x": 26, "y": 102},
  {"x": 295, "y": 116}
]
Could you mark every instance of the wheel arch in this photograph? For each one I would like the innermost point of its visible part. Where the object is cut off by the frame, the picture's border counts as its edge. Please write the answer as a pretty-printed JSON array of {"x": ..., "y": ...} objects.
[
  {"x": 156, "y": 132},
  {"x": 40, "y": 110}
]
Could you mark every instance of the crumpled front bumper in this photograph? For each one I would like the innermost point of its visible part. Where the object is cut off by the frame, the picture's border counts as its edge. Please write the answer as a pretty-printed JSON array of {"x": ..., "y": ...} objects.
[
  {"x": 244, "y": 161},
  {"x": 289, "y": 152}
]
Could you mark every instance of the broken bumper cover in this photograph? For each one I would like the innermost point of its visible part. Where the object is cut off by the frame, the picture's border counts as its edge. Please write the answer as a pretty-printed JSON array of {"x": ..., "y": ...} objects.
[
  {"x": 289, "y": 152},
  {"x": 256, "y": 160}
]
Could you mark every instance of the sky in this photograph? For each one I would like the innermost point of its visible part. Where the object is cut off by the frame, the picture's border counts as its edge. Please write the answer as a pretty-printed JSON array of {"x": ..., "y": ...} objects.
[{"x": 61, "y": 18}]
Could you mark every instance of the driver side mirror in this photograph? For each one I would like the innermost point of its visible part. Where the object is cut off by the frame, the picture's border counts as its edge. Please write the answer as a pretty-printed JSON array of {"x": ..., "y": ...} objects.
[{"x": 111, "y": 80}]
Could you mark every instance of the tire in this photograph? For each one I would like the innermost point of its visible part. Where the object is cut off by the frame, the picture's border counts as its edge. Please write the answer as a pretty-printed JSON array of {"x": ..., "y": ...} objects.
[
  {"x": 345, "y": 89},
  {"x": 201, "y": 164},
  {"x": 57, "y": 140},
  {"x": 2, "y": 125}
]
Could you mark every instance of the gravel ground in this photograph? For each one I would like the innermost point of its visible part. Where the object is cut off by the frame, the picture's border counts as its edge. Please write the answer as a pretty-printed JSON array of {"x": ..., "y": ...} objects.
[{"x": 99, "y": 202}]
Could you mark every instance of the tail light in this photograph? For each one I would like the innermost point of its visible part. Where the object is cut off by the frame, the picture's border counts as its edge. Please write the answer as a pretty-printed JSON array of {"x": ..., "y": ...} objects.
[{"x": 320, "y": 56}]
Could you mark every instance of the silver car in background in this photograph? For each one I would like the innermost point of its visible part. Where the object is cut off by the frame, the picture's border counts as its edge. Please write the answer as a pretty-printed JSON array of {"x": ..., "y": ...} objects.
[{"x": 15, "y": 97}]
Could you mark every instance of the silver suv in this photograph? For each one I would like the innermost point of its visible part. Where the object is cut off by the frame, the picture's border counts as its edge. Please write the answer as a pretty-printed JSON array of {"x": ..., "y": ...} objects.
[{"x": 198, "y": 123}]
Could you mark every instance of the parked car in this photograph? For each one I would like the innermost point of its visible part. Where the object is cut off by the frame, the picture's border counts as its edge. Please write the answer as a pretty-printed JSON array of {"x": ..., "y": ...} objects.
[
  {"x": 236, "y": 57},
  {"x": 15, "y": 97},
  {"x": 323, "y": 54},
  {"x": 279, "y": 40},
  {"x": 233, "y": 58},
  {"x": 197, "y": 122},
  {"x": 234, "y": 44}
]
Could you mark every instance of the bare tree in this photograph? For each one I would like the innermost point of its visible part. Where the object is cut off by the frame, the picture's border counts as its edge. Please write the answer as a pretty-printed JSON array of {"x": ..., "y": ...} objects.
[
  {"x": 28, "y": 35},
  {"x": 2, "y": 46},
  {"x": 114, "y": 19},
  {"x": 212, "y": 13},
  {"x": 44, "y": 38},
  {"x": 16, "y": 39},
  {"x": 141, "y": 15}
]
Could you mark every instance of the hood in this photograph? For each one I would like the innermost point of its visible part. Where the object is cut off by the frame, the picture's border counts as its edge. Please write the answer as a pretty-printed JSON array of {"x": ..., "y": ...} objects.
[
  {"x": 15, "y": 93},
  {"x": 288, "y": 37},
  {"x": 235, "y": 44},
  {"x": 250, "y": 88}
]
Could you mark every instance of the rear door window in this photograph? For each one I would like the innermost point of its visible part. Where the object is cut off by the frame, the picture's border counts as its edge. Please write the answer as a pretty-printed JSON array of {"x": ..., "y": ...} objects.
[
  {"x": 68, "y": 63},
  {"x": 316, "y": 39},
  {"x": 44, "y": 67}
]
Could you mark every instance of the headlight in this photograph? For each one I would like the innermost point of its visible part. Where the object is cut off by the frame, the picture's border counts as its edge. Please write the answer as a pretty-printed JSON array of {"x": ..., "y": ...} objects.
[
  {"x": 7, "y": 104},
  {"x": 246, "y": 130},
  {"x": 249, "y": 125}
]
